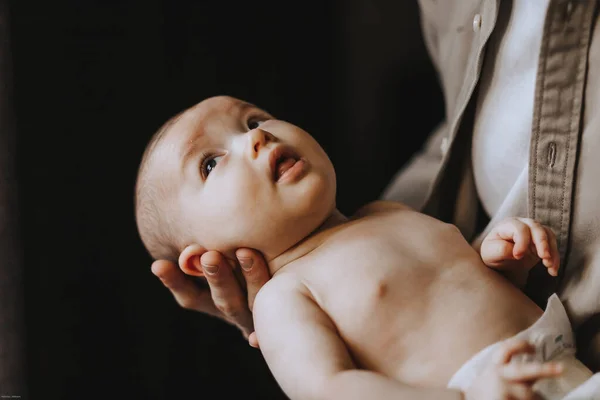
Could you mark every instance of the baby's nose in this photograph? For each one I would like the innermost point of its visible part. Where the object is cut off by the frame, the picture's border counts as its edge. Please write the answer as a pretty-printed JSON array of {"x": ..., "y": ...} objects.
[{"x": 257, "y": 139}]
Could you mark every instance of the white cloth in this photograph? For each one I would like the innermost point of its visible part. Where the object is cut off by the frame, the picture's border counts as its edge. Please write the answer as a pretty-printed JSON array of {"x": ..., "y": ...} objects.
[
  {"x": 504, "y": 111},
  {"x": 553, "y": 339},
  {"x": 589, "y": 390}
]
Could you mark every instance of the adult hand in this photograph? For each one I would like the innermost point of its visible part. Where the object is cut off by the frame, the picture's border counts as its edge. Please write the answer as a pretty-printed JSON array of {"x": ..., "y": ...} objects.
[{"x": 224, "y": 297}]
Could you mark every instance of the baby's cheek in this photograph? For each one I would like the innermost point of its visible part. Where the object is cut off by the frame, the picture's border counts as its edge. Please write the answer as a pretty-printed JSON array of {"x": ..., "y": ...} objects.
[{"x": 243, "y": 219}]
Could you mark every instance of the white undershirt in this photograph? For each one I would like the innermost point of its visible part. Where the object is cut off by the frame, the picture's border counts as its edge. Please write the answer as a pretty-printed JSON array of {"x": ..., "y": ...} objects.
[{"x": 504, "y": 112}]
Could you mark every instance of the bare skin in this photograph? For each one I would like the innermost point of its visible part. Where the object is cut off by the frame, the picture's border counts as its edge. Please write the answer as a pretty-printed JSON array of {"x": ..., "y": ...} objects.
[
  {"x": 239, "y": 156},
  {"x": 385, "y": 292},
  {"x": 393, "y": 318}
]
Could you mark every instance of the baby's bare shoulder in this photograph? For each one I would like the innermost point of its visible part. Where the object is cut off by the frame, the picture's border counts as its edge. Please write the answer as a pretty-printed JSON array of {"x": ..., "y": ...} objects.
[
  {"x": 283, "y": 295},
  {"x": 400, "y": 216},
  {"x": 381, "y": 217},
  {"x": 282, "y": 285},
  {"x": 385, "y": 230}
]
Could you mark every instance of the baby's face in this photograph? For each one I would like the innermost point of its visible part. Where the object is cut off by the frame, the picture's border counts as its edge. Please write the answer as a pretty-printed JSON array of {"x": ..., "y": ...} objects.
[{"x": 244, "y": 179}]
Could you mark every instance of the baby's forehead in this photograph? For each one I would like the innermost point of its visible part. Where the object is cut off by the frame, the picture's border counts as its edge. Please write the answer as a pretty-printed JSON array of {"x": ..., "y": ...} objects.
[
  {"x": 218, "y": 105},
  {"x": 202, "y": 113},
  {"x": 191, "y": 123}
]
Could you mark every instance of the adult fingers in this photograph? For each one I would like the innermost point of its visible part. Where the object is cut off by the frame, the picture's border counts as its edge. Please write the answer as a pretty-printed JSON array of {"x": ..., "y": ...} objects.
[
  {"x": 186, "y": 292},
  {"x": 227, "y": 294},
  {"x": 255, "y": 271}
]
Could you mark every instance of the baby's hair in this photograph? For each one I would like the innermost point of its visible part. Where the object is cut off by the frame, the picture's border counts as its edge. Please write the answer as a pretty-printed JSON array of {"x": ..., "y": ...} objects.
[{"x": 156, "y": 225}]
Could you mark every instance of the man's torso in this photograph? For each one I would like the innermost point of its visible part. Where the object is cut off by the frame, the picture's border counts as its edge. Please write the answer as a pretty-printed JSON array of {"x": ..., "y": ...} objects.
[{"x": 560, "y": 187}]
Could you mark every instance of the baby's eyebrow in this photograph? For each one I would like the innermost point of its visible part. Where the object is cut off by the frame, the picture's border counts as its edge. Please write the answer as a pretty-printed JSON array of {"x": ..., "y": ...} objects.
[
  {"x": 243, "y": 107},
  {"x": 190, "y": 148}
]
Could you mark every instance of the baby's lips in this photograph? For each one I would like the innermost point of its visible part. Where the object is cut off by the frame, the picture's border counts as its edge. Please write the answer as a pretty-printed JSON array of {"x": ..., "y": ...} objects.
[{"x": 278, "y": 153}]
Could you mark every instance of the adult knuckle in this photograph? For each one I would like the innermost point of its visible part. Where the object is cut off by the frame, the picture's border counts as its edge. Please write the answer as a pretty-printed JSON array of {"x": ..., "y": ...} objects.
[
  {"x": 186, "y": 303},
  {"x": 253, "y": 276},
  {"x": 215, "y": 280},
  {"x": 258, "y": 282},
  {"x": 231, "y": 309}
]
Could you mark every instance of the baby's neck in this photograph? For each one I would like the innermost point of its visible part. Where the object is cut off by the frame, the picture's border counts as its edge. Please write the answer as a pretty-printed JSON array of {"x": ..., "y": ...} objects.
[{"x": 311, "y": 242}]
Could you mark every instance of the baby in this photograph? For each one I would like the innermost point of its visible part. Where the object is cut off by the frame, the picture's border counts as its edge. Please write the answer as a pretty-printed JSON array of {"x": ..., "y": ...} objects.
[{"x": 390, "y": 303}]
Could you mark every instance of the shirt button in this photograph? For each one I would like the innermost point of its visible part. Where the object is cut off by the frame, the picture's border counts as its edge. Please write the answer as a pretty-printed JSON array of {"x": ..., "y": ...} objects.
[
  {"x": 568, "y": 10},
  {"x": 476, "y": 22},
  {"x": 444, "y": 146}
]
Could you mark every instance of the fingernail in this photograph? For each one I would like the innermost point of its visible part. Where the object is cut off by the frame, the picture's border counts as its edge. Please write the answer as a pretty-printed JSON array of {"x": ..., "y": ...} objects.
[
  {"x": 246, "y": 263},
  {"x": 210, "y": 269}
]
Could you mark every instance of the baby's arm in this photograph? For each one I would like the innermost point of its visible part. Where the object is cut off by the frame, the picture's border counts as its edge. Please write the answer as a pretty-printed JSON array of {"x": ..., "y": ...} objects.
[
  {"x": 307, "y": 356},
  {"x": 516, "y": 245}
]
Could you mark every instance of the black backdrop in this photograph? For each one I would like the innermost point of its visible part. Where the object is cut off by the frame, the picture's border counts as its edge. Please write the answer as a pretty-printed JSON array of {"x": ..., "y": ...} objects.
[{"x": 94, "y": 79}]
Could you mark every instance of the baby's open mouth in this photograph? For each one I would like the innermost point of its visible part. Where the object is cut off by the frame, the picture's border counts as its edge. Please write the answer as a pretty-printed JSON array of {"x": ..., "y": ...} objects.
[
  {"x": 282, "y": 160},
  {"x": 283, "y": 165}
]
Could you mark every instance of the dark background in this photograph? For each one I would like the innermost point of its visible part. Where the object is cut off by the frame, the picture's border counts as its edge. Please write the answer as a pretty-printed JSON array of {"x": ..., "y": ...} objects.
[{"x": 91, "y": 82}]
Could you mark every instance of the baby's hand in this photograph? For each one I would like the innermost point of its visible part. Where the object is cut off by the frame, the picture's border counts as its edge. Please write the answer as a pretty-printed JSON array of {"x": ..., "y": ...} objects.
[
  {"x": 518, "y": 244},
  {"x": 503, "y": 380}
]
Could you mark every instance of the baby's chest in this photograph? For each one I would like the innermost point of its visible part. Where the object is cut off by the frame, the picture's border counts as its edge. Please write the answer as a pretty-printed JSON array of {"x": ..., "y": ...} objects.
[{"x": 369, "y": 281}]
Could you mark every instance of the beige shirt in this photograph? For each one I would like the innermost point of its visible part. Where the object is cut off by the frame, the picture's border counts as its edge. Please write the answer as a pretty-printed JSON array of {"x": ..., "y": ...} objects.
[{"x": 563, "y": 171}]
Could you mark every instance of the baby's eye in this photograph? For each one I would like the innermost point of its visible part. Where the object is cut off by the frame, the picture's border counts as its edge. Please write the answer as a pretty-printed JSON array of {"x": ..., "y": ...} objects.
[
  {"x": 254, "y": 123},
  {"x": 209, "y": 164}
]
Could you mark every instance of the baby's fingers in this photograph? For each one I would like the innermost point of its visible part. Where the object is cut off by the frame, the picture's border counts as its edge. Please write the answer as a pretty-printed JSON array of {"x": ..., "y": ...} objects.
[
  {"x": 540, "y": 237},
  {"x": 510, "y": 349},
  {"x": 553, "y": 263},
  {"x": 544, "y": 245},
  {"x": 527, "y": 372},
  {"x": 495, "y": 252},
  {"x": 519, "y": 232}
]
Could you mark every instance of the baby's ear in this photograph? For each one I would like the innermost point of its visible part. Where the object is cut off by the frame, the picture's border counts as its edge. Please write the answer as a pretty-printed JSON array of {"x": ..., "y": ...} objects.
[{"x": 189, "y": 260}]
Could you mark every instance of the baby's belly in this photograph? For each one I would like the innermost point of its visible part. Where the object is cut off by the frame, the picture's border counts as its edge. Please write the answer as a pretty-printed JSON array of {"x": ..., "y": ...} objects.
[{"x": 419, "y": 325}]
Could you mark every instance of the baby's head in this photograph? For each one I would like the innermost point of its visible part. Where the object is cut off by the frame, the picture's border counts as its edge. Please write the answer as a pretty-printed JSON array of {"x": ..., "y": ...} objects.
[{"x": 225, "y": 174}]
